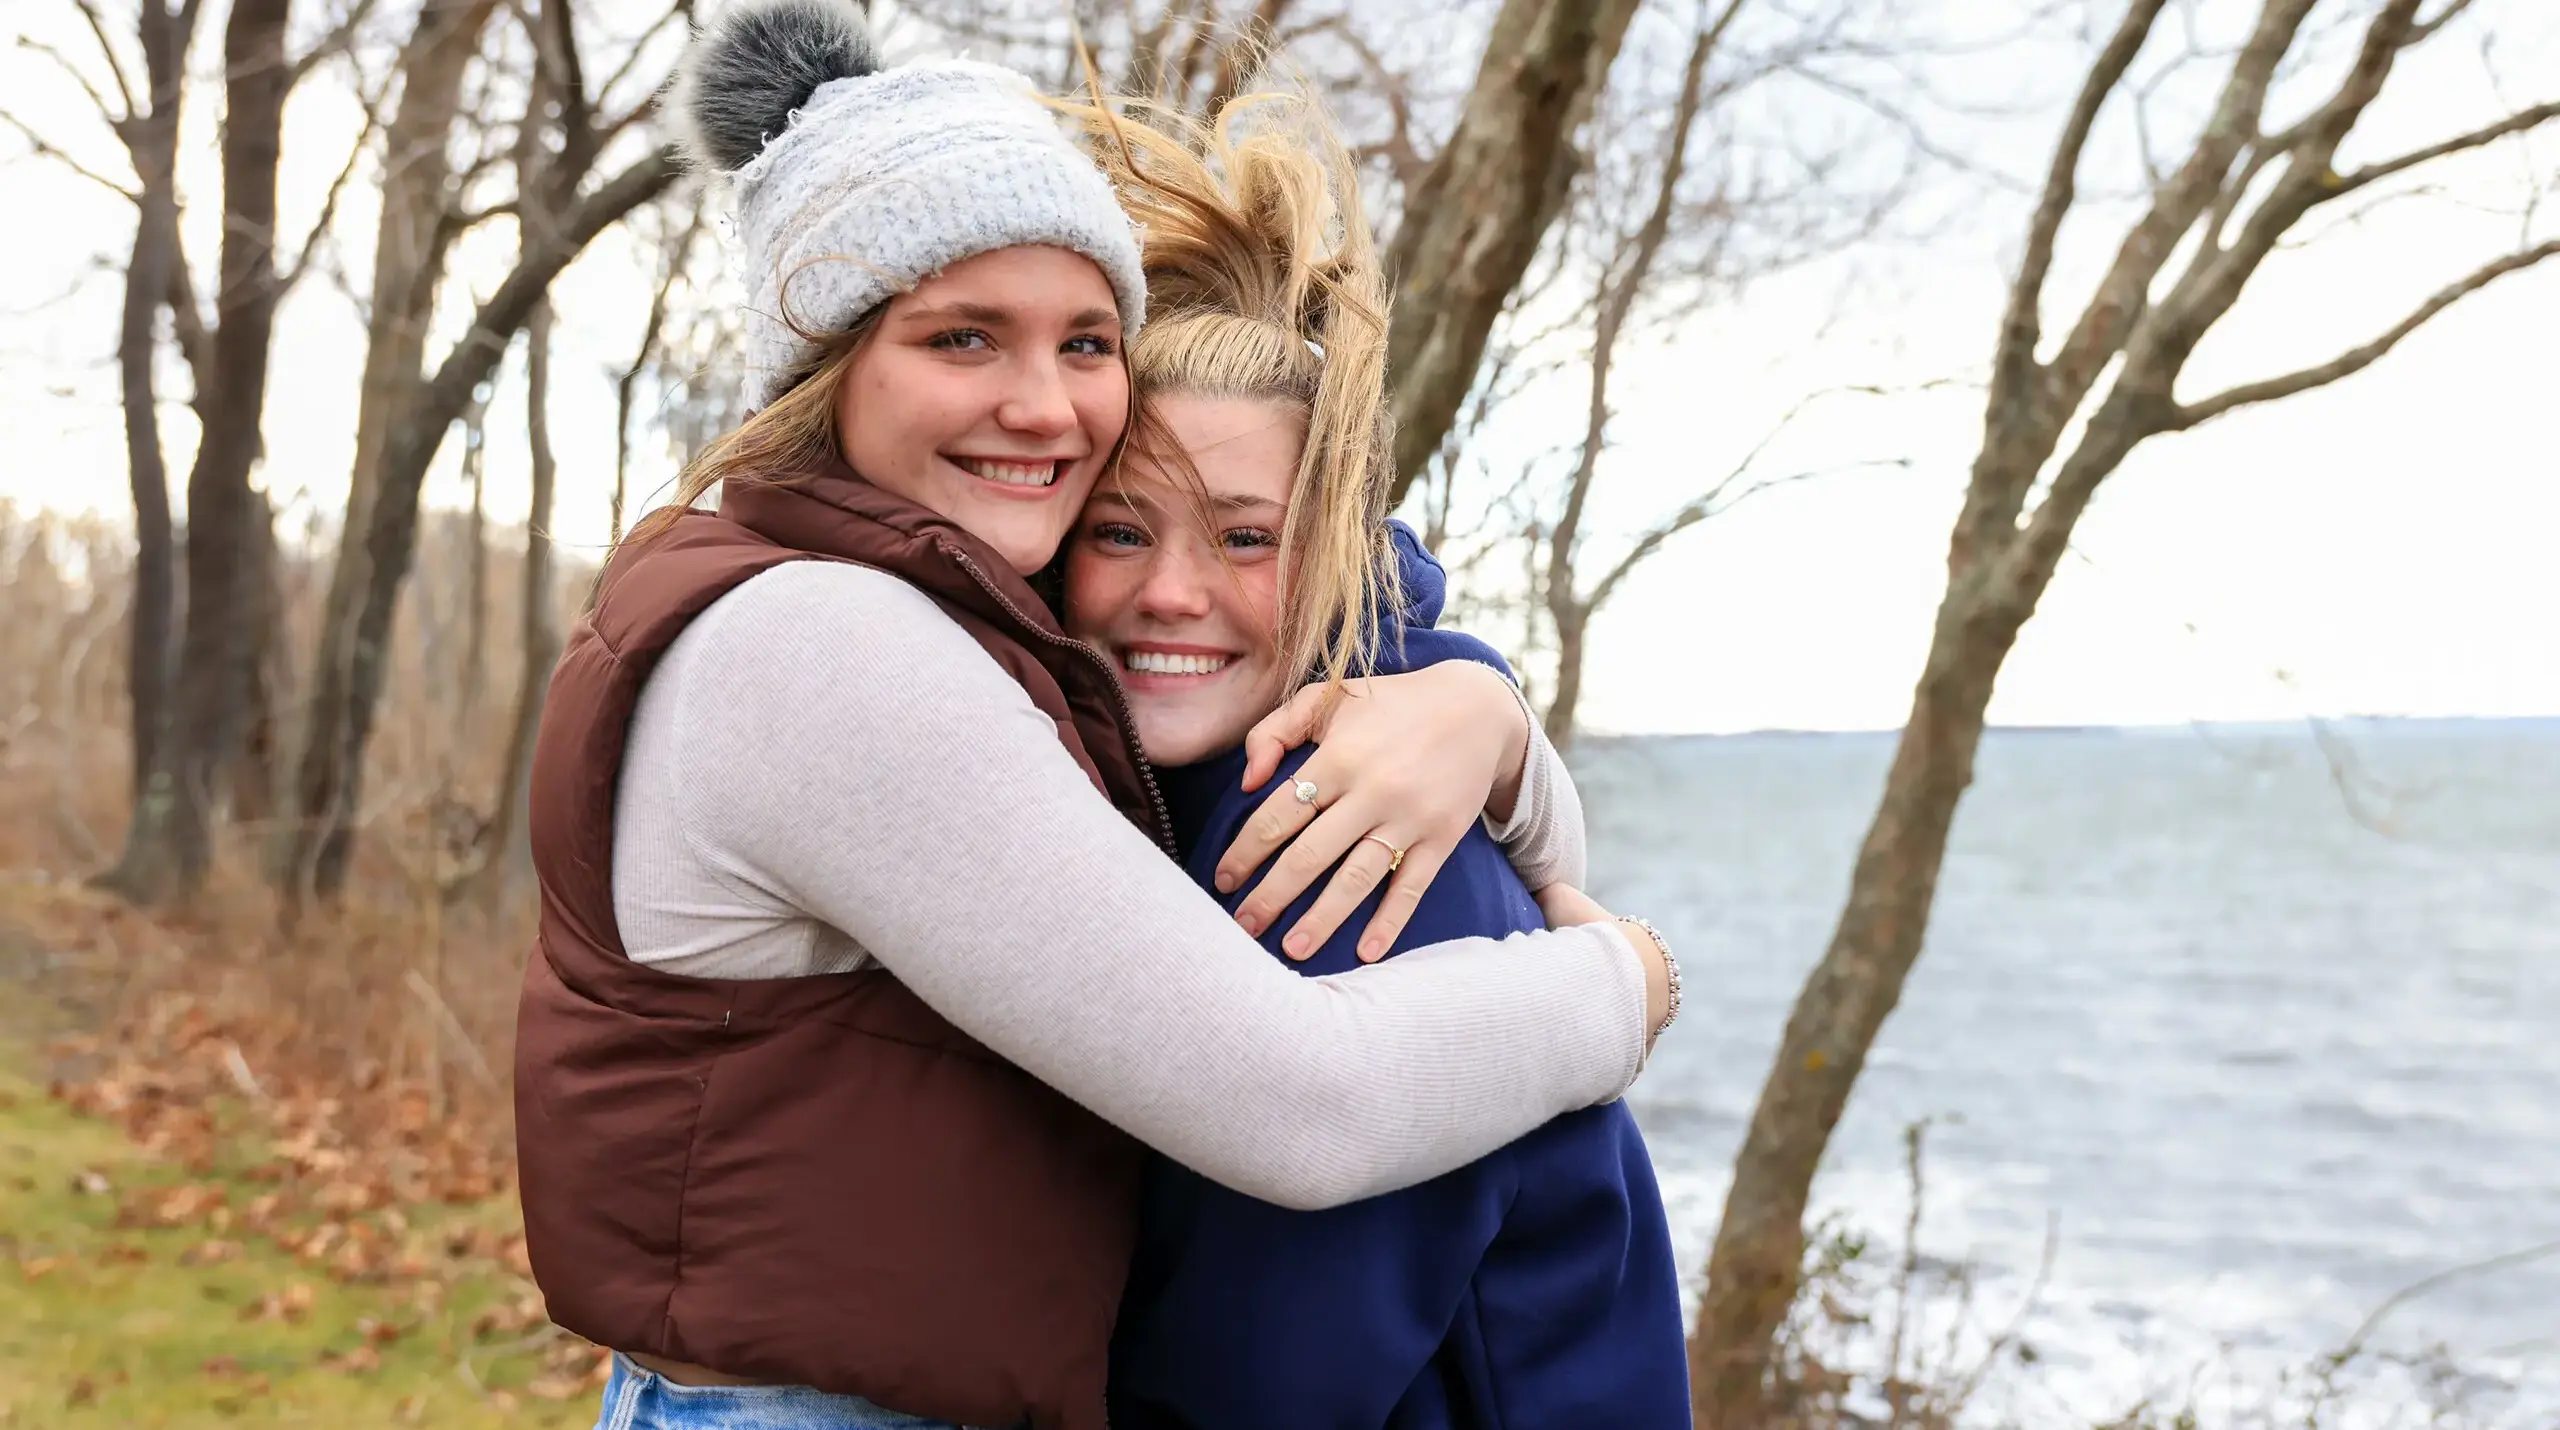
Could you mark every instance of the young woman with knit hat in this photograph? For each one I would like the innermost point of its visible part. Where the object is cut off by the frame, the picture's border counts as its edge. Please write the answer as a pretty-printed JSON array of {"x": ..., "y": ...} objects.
[
  {"x": 862, "y": 973},
  {"x": 1240, "y": 550}
]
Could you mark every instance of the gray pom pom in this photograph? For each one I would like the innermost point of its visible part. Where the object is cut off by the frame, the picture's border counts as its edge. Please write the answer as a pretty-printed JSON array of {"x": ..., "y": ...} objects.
[{"x": 758, "y": 62}]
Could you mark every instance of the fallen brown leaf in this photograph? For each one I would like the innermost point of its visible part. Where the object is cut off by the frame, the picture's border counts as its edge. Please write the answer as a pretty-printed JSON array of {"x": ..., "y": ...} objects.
[
  {"x": 363, "y": 1360},
  {"x": 209, "y": 1253}
]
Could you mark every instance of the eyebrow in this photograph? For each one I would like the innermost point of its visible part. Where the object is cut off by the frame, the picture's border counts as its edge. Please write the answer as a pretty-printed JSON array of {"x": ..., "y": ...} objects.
[
  {"x": 993, "y": 316},
  {"x": 1229, "y": 502}
]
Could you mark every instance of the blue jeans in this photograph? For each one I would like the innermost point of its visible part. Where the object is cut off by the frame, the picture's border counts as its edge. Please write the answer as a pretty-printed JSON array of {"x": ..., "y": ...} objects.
[{"x": 638, "y": 1399}]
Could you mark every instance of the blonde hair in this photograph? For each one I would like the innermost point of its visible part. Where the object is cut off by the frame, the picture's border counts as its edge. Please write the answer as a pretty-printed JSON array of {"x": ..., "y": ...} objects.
[
  {"x": 1263, "y": 282},
  {"x": 789, "y": 436}
]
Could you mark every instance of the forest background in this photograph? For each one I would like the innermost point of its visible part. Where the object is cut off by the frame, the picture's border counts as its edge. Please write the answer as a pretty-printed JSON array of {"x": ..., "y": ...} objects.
[{"x": 1757, "y": 362}]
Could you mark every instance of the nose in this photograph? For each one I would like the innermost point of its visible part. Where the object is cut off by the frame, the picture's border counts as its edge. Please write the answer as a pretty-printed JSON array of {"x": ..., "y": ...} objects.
[
  {"x": 1037, "y": 403},
  {"x": 1176, "y": 587}
]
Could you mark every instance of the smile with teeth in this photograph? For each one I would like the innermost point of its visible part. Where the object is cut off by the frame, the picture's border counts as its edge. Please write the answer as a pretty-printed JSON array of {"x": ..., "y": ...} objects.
[
  {"x": 1157, "y": 662},
  {"x": 1012, "y": 474}
]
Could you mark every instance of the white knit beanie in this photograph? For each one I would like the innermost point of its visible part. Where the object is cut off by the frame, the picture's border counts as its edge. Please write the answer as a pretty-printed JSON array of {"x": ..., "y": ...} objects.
[{"x": 856, "y": 183}]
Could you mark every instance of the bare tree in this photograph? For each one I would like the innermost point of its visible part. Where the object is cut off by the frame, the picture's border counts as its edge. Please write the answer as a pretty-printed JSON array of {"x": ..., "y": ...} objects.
[
  {"x": 147, "y": 126},
  {"x": 406, "y": 409},
  {"x": 1477, "y": 213},
  {"x": 674, "y": 254},
  {"x": 190, "y": 689},
  {"x": 1685, "y": 199},
  {"x": 1622, "y": 285},
  {"x": 2208, "y": 225},
  {"x": 169, "y": 842}
]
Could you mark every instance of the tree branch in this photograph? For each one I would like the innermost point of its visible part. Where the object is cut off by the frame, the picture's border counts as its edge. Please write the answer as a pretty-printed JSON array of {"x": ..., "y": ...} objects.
[
  {"x": 2515, "y": 123},
  {"x": 1622, "y": 288},
  {"x": 329, "y": 204},
  {"x": 98, "y": 27},
  {"x": 341, "y": 38},
  {"x": 2421, "y": 30},
  {"x": 681, "y": 9},
  {"x": 46, "y": 149},
  {"x": 507, "y": 309},
  {"x": 63, "y": 62},
  {"x": 1714, "y": 499},
  {"x": 2356, "y": 360},
  {"x": 2122, "y": 299},
  {"x": 1714, "y": 502},
  {"x": 2022, "y": 325}
]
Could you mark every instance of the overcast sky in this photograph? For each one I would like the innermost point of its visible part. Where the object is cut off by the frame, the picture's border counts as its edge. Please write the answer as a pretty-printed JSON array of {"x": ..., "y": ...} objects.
[{"x": 2384, "y": 546}]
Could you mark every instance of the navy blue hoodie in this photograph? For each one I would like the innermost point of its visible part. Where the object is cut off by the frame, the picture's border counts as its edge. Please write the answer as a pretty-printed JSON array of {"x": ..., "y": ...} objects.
[{"x": 1533, "y": 1290}]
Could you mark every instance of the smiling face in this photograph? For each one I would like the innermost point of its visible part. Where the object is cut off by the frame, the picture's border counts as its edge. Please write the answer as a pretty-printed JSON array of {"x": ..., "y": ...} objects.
[
  {"x": 1189, "y": 609},
  {"x": 992, "y": 394}
]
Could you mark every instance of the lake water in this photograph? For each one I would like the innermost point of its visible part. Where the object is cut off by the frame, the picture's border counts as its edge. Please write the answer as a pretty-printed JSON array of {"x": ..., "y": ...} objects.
[{"x": 2266, "y": 1025}]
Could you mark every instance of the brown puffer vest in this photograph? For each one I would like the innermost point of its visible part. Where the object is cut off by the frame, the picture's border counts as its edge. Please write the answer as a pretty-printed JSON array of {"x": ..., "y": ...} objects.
[{"x": 814, "y": 1181}]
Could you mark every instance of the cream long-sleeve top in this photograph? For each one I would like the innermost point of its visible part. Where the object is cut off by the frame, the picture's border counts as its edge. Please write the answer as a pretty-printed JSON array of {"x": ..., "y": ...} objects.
[{"x": 825, "y": 771}]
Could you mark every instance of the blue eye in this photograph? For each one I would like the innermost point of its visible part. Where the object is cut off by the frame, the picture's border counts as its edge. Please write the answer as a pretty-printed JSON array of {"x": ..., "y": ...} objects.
[
  {"x": 1120, "y": 534},
  {"x": 960, "y": 340},
  {"x": 1250, "y": 538},
  {"x": 1092, "y": 346}
]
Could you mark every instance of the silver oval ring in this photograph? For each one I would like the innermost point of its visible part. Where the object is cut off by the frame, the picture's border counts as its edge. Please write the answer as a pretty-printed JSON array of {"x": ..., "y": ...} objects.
[{"x": 1306, "y": 792}]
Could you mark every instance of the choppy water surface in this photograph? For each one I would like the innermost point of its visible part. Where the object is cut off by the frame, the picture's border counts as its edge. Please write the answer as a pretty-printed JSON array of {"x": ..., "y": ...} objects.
[{"x": 2261, "y": 1061}]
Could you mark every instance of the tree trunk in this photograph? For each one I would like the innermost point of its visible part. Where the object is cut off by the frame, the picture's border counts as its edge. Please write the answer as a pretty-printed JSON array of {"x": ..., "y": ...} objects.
[
  {"x": 1759, "y": 1247},
  {"x": 475, "y": 595},
  {"x": 258, "y": 763},
  {"x": 152, "y": 139},
  {"x": 408, "y": 267},
  {"x": 169, "y": 844},
  {"x": 1568, "y": 697},
  {"x": 1993, "y": 586},
  {"x": 1474, "y": 222},
  {"x": 332, "y": 771},
  {"x": 510, "y": 848}
]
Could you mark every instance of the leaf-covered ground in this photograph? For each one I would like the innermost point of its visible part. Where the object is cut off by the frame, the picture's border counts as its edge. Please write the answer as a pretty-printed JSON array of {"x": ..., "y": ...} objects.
[{"x": 136, "y": 1290}]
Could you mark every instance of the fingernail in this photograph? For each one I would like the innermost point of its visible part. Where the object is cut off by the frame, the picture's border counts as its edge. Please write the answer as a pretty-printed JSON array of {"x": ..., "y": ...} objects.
[
  {"x": 1226, "y": 882},
  {"x": 1370, "y": 948},
  {"x": 1295, "y": 945},
  {"x": 1252, "y": 925}
]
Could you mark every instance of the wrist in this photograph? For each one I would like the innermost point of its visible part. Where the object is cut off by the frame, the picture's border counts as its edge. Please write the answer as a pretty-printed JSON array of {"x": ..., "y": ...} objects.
[{"x": 1662, "y": 975}]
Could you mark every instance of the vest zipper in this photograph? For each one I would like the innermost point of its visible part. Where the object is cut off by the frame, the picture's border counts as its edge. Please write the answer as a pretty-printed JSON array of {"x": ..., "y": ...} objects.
[{"x": 1120, "y": 711}]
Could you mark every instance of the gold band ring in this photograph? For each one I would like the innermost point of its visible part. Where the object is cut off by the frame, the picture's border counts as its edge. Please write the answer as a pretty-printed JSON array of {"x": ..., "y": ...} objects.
[{"x": 1395, "y": 856}]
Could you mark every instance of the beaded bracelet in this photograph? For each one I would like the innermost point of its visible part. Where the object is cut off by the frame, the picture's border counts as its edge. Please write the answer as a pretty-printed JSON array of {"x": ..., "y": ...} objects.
[{"x": 1670, "y": 969}]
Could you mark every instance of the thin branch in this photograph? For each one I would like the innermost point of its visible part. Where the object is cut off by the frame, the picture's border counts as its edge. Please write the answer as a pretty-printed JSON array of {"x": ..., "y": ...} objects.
[
  {"x": 2420, "y": 31},
  {"x": 2515, "y": 123},
  {"x": 2022, "y": 325},
  {"x": 681, "y": 9},
  {"x": 98, "y": 27},
  {"x": 2406, "y": 1294},
  {"x": 1716, "y": 502},
  {"x": 46, "y": 149},
  {"x": 2121, "y": 304},
  {"x": 67, "y": 67},
  {"x": 2356, "y": 360},
  {"x": 329, "y": 204},
  {"x": 341, "y": 38}
]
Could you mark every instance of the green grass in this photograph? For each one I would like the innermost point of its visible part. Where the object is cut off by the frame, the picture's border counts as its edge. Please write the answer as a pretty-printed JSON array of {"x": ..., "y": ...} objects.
[{"x": 106, "y": 1327}]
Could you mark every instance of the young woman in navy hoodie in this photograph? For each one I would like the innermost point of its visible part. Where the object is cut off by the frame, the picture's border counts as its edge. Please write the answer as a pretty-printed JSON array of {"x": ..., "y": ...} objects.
[{"x": 1240, "y": 556}]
